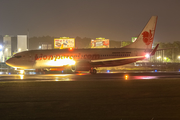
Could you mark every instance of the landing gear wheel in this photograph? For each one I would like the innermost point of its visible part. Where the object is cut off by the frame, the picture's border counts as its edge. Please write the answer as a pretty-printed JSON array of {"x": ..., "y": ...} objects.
[{"x": 93, "y": 71}]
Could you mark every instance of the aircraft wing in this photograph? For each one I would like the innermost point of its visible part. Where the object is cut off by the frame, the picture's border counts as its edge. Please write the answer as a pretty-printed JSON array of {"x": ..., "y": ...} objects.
[
  {"x": 120, "y": 61},
  {"x": 117, "y": 59},
  {"x": 154, "y": 50}
]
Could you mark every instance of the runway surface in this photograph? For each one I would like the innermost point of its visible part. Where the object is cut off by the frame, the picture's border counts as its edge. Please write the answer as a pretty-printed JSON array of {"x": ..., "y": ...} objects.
[
  {"x": 89, "y": 77},
  {"x": 82, "y": 96}
]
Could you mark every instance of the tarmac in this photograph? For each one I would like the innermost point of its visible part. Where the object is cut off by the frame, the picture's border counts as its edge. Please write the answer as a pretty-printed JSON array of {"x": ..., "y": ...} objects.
[{"x": 82, "y": 96}]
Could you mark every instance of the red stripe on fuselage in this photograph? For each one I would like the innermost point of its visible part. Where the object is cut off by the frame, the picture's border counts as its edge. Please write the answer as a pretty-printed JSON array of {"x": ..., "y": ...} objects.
[{"x": 72, "y": 56}]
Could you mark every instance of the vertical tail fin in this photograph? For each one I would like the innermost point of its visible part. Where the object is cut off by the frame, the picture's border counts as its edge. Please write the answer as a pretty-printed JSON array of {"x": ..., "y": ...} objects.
[{"x": 145, "y": 39}]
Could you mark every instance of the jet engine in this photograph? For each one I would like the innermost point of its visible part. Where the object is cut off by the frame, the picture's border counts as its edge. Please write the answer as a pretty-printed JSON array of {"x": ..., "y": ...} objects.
[{"x": 81, "y": 66}]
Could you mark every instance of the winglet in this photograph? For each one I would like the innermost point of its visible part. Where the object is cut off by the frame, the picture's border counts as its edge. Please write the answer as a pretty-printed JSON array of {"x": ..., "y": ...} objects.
[{"x": 154, "y": 51}]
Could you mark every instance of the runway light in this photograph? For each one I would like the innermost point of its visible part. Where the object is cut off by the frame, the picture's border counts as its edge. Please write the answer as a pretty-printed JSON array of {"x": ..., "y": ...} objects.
[
  {"x": 70, "y": 48},
  {"x": 158, "y": 57},
  {"x": 108, "y": 71},
  {"x": 21, "y": 71},
  {"x": 56, "y": 79},
  {"x": 126, "y": 77},
  {"x": 155, "y": 71},
  {"x": 80, "y": 74},
  {"x": 21, "y": 76}
]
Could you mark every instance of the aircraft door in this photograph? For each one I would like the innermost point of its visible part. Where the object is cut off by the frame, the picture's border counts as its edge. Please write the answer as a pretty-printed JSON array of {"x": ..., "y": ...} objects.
[
  {"x": 30, "y": 59},
  {"x": 135, "y": 53}
]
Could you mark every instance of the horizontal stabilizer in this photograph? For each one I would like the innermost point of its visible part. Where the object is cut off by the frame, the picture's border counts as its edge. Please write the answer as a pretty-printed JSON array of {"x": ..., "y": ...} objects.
[{"x": 154, "y": 51}]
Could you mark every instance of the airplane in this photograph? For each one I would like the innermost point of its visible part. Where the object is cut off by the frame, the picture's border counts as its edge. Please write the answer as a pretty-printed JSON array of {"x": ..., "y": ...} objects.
[{"x": 88, "y": 59}]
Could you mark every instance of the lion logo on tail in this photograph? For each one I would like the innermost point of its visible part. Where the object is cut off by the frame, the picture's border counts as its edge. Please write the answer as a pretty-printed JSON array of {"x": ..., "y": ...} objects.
[{"x": 147, "y": 37}]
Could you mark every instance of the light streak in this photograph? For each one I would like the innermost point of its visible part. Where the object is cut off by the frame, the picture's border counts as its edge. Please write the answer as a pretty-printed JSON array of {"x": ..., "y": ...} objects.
[{"x": 61, "y": 62}]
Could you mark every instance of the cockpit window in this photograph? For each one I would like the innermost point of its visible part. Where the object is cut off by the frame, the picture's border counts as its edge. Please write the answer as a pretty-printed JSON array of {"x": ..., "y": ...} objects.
[{"x": 17, "y": 56}]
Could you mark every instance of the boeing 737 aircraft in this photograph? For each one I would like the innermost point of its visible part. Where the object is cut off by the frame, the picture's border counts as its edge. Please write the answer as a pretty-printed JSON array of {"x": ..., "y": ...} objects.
[{"x": 88, "y": 59}]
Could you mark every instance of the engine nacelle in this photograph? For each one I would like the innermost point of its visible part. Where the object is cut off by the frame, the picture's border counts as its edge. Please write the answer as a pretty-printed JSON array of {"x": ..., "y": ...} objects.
[{"x": 81, "y": 66}]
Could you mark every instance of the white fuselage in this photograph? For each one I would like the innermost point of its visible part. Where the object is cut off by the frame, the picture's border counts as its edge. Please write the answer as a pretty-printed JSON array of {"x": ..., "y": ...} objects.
[{"x": 37, "y": 59}]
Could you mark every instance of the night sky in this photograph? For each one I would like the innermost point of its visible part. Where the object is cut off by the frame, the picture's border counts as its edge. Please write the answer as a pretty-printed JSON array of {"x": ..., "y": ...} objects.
[{"x": 114, "y": 19}]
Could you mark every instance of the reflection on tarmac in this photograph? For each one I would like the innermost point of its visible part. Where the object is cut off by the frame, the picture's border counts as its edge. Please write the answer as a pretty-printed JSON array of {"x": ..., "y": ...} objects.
[{"x": 89, "y": 77}]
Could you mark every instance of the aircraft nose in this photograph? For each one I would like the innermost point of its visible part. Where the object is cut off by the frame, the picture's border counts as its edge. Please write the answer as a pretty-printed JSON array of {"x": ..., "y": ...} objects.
[{"x": 9, "y": 62}]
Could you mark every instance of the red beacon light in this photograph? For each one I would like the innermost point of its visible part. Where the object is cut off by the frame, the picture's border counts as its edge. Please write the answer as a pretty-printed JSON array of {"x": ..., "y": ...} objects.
[{"x": 70, "y": 48}]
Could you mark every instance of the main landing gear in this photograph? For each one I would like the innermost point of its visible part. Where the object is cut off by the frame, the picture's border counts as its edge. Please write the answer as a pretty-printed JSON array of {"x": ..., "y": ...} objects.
[{"x": 93, "y": 71}]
